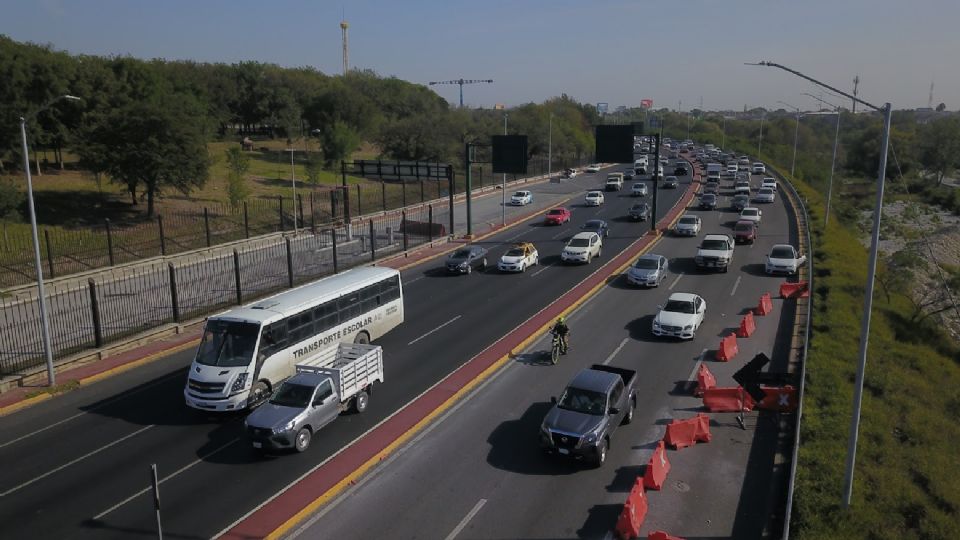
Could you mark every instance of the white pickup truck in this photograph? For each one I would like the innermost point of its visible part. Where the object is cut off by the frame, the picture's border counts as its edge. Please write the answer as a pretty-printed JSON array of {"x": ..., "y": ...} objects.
[
  {"x": 336, "y": 379},
  {"x": 716, "y": 251}
]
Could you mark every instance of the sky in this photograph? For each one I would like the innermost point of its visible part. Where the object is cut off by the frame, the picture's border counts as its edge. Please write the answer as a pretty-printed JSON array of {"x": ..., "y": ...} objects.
[{"x": 613, "y": 51}]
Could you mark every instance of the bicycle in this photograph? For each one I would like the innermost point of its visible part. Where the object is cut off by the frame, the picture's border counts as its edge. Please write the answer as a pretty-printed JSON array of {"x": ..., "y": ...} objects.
[{"x": 556, "y": 348}]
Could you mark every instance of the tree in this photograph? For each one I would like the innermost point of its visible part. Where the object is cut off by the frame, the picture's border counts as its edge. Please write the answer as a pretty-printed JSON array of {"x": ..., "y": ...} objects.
[
  {"x": 864, "y": 153},
  {"x": 314, "y": 169},
  {"x": 941, "y": 107},
  {"x": 940, "y": 147},
  {"x": 238, "y": 164},
  {"x": 11, "y": 199},
  {"x": 338, "y": 141},
  {"x": 237, "y": 161}
]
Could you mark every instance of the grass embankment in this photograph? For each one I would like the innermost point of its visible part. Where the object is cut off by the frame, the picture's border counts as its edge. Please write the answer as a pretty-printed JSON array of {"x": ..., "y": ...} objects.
[{"x": 907, "y": 480}]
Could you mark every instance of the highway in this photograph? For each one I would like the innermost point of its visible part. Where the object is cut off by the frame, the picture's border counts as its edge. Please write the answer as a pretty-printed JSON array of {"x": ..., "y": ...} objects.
[
  {"x": 82, "y": 460},
  {"x": 478, "y": 472}
]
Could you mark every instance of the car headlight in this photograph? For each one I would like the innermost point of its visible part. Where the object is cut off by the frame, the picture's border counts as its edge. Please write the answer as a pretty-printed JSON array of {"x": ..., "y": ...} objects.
[
  {"x": 688, "y": 327},
  {"x": 544, "y": 430},
  {"x": 240, "y": 383},
  {"x": 656, "y": 324},
  {"x": 594, "y": 435},
  {"x": 698, "y": 258},
  {"x": 464, "y": 264},
  {"x": 287, "y": 427}
]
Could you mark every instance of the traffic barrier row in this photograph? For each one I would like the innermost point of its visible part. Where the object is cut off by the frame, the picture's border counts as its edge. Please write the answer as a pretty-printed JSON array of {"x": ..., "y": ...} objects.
[
  {"x": 633, "y": 513},
  {"x": 705, "y": 380},
  {"x": 728, "y": 348},
  {"x": 801, "y": 289},
  {"x": 747, "y": 326},
  {"x": 657, "y": 468},
  {"x": 765, "y": 306},
  {"x": 727, "y": 400},
  {"x": 684, "y": 433}
]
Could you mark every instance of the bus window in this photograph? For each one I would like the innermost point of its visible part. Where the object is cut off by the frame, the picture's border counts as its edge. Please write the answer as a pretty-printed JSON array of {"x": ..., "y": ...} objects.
[
  {"x": 325, "y": 316},
  {"x": 349, "y": 306}
]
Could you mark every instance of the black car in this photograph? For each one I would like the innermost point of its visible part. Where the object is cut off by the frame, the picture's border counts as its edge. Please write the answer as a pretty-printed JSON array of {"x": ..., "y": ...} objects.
[
  {"x": 708, "y": 201},
  {"x": 598, "y": 226},
  {"x": 670, "y": 182},
  {"x": 628, "y": 174},
  {"x": 640, "y": 212},
  {"x": 711, "y": 187},
  {"x": 740, "y": 202},
  {"x": 465, "y": 259},
  {"x": 681, "y": 169}
]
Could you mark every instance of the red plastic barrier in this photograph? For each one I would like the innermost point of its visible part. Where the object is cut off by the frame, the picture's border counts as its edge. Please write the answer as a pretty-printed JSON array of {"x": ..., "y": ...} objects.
[
  {"x": 657, "y": 468},
  {"x": 801, "y": 289},
  {"x": 727, "y": 400},
  {"x": 633, "y": 513},
  {"x": 660, "y": 535},
  {"x": 765, "y": 306},
  {"x": 747, "y": 326},
  {"x": 684, "y": 433},
  {"x": 728, "y": 348},
  {"x": 705, "y": 380},
  {"x": 781, "y": 399},
  {"x": 703, "y": 427}
]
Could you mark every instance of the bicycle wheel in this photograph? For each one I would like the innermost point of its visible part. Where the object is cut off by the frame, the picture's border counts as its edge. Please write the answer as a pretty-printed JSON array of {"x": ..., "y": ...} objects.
[{"x": 555, "y": 354}]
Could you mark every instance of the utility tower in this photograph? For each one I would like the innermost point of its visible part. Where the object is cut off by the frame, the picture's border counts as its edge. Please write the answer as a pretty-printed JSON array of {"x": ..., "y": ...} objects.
[
  {"x": 462, "y": 82},
  {"x": 346, "y": 56},
  {"x": 856, "y": 83},
  {"x": 930, "y": 97}
]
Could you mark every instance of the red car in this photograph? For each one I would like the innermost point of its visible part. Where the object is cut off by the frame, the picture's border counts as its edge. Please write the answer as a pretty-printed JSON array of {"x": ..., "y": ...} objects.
[
  {"x": 745, "y": 231},
  {"x": 557, "y": 216}
]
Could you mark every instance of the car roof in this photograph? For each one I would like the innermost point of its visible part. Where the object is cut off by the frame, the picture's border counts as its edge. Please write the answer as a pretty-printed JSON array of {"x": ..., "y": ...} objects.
[
  {"x": 558, "y": 209},
  {"x": 596, "y": 380},
  {"x": 745, "y": 222},
  {"x": 682, "y": 297},
  {"x": 598, "y": 221},
  {"x": 594, "y": 192},
  {"x": 780, "y": 246},
  {"x": 584, "y": 235},
  {"x": 650, "y": 256}
]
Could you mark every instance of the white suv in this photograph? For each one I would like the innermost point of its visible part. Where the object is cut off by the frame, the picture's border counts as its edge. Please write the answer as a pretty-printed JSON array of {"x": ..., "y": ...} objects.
[
  {"x": 593, "y": 198},
  {"x": 582, "y": 248},
  {"x": 759, "y": 168},
  {"x": 769, "y": 182}
]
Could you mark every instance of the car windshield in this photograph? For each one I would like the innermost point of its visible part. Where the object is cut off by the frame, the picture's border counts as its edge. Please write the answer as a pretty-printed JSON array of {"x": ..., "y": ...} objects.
[
  {"x": 714, "y": 244},
  {"x": 709, "y": 197},
  {"x": 646, "y": 264},
  {"x": 592, "y": 195},
  {"x": 679, "y": 306},
  {"x": 227, "y": 343},
  {"x": 292, "y": 395},
  {"x": 766, "y": 191},
  {"x": 749, "y": 212},
  {"x": 743, "y": 227},
  {"x": 555, "y": 213},
  {"x": 593, "y": 225},
  {"x": 638, "y": 208},
  {"x": 688, "y": 221},
  {"x": 460, "y": 254},
  {"x": 515, "y": 252},
  {"x": 781, "y": 253},
  {"x": 583, "y": 401},
  {"x": 639, "y": 186},
  {"x": 579, "y": 242},
  {"x": 741, "y": 197},
  {"x": 520, "y": 194}
]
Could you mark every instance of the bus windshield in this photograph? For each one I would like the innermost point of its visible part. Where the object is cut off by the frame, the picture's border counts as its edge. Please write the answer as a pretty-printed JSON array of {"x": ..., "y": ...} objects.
[{"x": 227, "y": 343}]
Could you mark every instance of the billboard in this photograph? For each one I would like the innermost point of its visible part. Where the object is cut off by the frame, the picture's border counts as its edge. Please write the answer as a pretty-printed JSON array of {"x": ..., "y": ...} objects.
[{"x": 646, "y": 103}]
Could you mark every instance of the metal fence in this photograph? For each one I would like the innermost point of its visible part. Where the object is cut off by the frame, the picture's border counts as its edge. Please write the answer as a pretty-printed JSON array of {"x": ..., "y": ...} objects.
[{"x": 124, "y": 301}]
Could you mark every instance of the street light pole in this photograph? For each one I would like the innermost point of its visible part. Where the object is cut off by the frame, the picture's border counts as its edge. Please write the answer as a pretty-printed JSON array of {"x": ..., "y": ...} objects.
[
  {"x": 796, "y": 132},
  {"x": 44, "y": 315},
  {"x": 293, "y": 182},
  {"x": 550, "y": 149},
  {"x": 723, "y": 133},
  {"x": 833, "y": 161},
  {"x": 503, "y": 188},
  {"x": 760, "y": 142}
]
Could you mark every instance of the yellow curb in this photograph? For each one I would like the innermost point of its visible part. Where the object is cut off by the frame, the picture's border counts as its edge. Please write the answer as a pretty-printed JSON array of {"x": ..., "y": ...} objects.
[
  {"x": 14, "y": 407},
  {"x": 137, "y": 363}
]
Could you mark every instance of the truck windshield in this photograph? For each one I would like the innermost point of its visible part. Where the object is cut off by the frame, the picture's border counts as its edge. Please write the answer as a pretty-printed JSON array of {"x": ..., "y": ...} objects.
[
  {"x": 227, "y": 343},
  {"x": 583, "y": 401},
  {"x": 714, "y": 244},
  {"x": 292, "y": 395}
]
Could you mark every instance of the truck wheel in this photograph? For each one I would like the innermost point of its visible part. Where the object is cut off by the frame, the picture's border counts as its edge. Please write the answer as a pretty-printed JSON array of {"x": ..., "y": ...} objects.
[
  {"x": 363, "y": 338},
  {"x": 258, "y": 394},
  {"x": 601, "y": 455},
  {"x": 361, "y": 402},
  {"x": 302, "y": 442},
  {"x": 629, "y": 417}
]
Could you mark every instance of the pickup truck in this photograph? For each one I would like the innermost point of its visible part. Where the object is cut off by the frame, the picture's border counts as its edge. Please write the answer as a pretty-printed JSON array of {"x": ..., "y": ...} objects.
[
  {"x": 336, "y": 379},
  {"x": 581, "y": 423},
  {"x": 716, "y": 251}
]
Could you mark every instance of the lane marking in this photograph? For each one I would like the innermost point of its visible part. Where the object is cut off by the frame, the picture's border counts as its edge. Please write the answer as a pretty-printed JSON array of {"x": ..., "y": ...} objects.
[
  {"x": 540, "y": 270},
  {"x": 615, "y": 351},
  {"x": 463, "y": 523},
  {"x": 670, "y": 288},
  {"x": 696, "y": 366},
  {"x": 409, "y": 281},
  {"x": 77, "y": 460},
  {"x": 434, "y": 330},
  {"x": 514, "y": 237},
  {"x": 164, "y": 479},
  {"x": 559, "y": 234},
  {"x": 735, "y": 285}
]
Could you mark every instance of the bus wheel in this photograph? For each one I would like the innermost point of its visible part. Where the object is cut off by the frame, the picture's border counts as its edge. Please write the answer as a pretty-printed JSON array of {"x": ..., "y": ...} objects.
[
  {"x": 258, "y": 393},
  {"x": 360, "y": 402},
  {"x": 362, "y": 338}
]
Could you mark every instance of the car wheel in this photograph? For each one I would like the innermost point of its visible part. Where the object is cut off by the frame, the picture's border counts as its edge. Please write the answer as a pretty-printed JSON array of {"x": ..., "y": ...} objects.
[
  {"x": 469, "y": 268},
  {"x": 629, "y": 417},
  {"x": 601, "y": 456},
  {"x": 361, "y": 402},
  {"x": 483, "y": 264},
  {"x": 536, "y": 262},
  {"x": 600, "y": 252},
  {"x": 523, "y": 268},
  {"x": 302, "y": 442}
]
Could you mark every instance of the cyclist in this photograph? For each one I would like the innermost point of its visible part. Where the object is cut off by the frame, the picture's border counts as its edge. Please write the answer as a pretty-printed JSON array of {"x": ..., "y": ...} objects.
[{"x": 561, "y": 330}]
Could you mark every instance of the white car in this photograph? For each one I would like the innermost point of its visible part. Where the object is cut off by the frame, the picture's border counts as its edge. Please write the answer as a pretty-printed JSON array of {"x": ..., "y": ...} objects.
[
  {"x": 518, "y": 258},
  {"x": 688, "y": 225},
  {"x": 592, "y": 169},
  {"x": 743, "y": 166},
  {"x": 769, "y": 182},
  {"x": 594, "y": 198},
  {"x": 784, "y": 259},
  {"x": 681, "y": 316},
  {"x": 759, "y": 168},
  {"x": 582, "y": 248},
  {"x": 521, "y": 198},
  {"x": 732, "y": 169},
  {"x": 638, "y": 189},
  {"x": 742, "y": 186},
  {"x": 751, "y": 213},
  {"x": 765, "y": 195},
  {"x": 649, "y": 270}
]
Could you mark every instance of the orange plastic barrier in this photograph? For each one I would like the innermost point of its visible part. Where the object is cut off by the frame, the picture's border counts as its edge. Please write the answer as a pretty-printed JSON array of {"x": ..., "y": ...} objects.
[
  {"x": 633, "y": 513},
  {"x": 801, "y": 289},
  {"x": 728, "y": 348},
  {"x": 684, "y": 433},
  {"x": 727, "y": 400},
  {"x": 781, "y": 399},
  {"x": 766, "y": 305},
  {"x": 661, "y": 535},
  {"x": 657, "y": 468},
  {"x": 705, "y": 380},
  {"x": 747, "y": 326}
]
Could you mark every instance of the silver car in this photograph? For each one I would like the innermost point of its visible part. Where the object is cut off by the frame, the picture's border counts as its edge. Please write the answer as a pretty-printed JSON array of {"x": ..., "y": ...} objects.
[{"x": 648, "y": 271}]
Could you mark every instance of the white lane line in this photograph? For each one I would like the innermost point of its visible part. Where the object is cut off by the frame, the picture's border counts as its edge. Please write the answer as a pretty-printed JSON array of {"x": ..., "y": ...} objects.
[
  {"x": 514, "y": 237},
  {"x": 615, "y": 351},
  {"x": 735, "y": 285},
  {"x": 670, "y": 288},
  {"x": 162, "y": 480},
  {"x": 409, "y": 281},
  {"x": 69, "y": 463},
  {"x": 434, "y": 330},
  {"x": 696, "y": 366},
  {"x": 453, "y": 534},
  {"x": 540, "y": 270},
  {"x": 559, "y": 234}
]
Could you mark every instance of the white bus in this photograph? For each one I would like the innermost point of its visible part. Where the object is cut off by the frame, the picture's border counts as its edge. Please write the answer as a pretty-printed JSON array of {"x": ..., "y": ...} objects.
[{"x": 246, "y": 352}]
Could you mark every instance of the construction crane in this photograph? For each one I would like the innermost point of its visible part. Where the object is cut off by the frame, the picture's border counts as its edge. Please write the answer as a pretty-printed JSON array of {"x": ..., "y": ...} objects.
[{"x": 462, "y": 82}]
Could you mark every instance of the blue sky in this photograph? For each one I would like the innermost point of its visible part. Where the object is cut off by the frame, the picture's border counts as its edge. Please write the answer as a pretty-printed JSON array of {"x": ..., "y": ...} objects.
[{"x": 613, "y": 51}]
